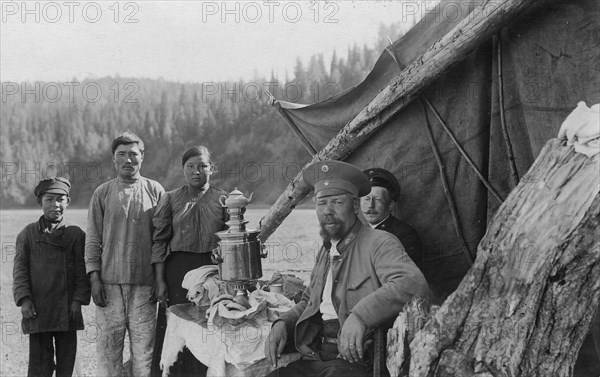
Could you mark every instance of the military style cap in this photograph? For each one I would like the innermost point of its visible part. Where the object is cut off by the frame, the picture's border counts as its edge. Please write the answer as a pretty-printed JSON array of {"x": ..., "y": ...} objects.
[
  {"x": 52, "y": 185},
  {"x": 331, "y": 177},
  {"x": 383, "y": 178}
]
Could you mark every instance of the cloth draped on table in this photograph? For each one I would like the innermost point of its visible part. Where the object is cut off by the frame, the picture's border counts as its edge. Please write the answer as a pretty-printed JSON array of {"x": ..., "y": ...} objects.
[
  {"x": 177, "y": 266},
  {"x": 230, "y": 338},
  {"x": 203, "y": 284}
]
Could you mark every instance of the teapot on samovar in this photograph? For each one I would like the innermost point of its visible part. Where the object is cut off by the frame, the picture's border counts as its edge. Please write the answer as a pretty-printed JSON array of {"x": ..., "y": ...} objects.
[
  {"x": 239, "y": 252},
  {"x": 235, "y": 199}
]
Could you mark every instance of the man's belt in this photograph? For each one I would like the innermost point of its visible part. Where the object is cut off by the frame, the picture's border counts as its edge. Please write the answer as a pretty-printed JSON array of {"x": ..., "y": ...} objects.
[
  {"x": 326, "y": 339},
  {"x": 330, "y": 330}
]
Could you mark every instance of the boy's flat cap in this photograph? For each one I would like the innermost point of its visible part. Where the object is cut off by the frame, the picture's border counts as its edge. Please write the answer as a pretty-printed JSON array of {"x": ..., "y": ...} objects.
[{"x": 52, "y": 185}]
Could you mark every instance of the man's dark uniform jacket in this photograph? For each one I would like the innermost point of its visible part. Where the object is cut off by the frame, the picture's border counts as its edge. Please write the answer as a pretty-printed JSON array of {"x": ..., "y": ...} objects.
[{"x": 407, "y": 235}]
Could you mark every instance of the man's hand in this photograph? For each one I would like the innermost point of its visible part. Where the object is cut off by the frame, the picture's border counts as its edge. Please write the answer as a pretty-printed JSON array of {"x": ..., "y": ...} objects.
[
  {"x": 351, "y": 338},
  {"x": 98, "y": 293},
  {"x": 75, "y": 310},
  {"x": 28, "y": 309},
  {"x": 162, "y": 293},
  {"x": 276, "y": 342}
]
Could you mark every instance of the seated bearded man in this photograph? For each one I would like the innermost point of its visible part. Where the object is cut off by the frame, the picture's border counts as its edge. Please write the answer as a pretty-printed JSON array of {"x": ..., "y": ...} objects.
[{"x": 361, "y": 280}]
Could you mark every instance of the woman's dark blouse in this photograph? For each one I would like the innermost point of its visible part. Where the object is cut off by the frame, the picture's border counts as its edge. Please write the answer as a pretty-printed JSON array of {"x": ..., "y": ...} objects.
[{"x": 183, "y": 222}]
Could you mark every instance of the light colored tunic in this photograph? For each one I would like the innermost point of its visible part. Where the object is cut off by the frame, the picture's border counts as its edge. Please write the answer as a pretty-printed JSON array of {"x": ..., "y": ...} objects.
[
  {"x": 373, "y": 279},
  {"x": 119, "y": 231}
]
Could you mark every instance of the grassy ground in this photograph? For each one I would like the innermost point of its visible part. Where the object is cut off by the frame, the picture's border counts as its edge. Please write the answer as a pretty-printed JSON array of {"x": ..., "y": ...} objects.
[{"x": 292, "y": 249}]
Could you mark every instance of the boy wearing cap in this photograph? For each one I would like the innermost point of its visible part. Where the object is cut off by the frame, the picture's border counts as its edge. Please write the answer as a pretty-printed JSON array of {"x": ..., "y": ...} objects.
[
  {"x": 377, "y": 206},
  {"x": 361, "y": 280},
  {"x": 50, "y": 283},
  {"x": 118, "y": 254}
]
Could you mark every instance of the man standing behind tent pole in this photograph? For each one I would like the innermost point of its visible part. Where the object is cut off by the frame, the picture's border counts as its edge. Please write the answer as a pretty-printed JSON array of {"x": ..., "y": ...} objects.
[
  {"x": 118, "y": 252},
  {"x": 377, "y": 206}
]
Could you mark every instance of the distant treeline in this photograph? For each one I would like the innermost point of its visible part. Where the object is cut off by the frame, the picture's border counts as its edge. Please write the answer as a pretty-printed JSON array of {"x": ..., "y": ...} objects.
[{"x": 51, "y": 128}]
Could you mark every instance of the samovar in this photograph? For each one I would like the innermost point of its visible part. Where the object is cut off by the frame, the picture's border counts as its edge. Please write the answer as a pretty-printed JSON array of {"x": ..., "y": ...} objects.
[{"x": 239, "y": 252}]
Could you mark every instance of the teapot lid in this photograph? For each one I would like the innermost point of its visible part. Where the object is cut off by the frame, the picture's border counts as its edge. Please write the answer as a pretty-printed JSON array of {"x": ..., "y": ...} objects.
[{"x": 236, "y": 192}]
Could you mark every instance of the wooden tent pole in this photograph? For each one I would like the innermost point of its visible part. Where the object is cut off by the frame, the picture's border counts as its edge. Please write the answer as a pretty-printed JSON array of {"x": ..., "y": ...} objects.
[
  {"x": 464, "y": 153},
  {"x": 481, "y": 24},
  {"x": 506, "y": 136},
  {"x": 483, "y": 180},
  {"x": 447, "y": 191}
]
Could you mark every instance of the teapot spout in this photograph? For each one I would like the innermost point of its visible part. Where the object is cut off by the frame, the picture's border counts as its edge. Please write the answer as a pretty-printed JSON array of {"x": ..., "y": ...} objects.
[{"x": 250, "y": 197}]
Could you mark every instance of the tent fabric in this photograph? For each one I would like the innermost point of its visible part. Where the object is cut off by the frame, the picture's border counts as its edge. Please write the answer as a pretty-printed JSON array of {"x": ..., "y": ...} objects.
[{"x": 550, "y": 63}]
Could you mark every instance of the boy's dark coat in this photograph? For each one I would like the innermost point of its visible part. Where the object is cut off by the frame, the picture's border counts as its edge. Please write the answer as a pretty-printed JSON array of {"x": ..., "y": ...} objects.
[{"x": 50, "y": 269}]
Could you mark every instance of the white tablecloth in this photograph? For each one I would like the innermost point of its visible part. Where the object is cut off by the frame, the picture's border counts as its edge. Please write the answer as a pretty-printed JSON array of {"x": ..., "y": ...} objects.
[{"x": 226, "y": 350}]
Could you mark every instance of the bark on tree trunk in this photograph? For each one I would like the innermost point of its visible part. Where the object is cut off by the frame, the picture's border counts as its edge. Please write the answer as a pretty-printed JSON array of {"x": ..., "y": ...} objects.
[
  {"x": 408, "y": 323},
  {"x": 526, "y": 305}
]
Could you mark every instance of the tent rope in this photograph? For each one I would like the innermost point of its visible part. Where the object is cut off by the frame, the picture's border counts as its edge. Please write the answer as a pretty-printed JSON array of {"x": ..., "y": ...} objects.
[
  {"x": 509, "y": 149},
  {"x": 449, "y": 195},
  {"x": 463, "y": 153}
]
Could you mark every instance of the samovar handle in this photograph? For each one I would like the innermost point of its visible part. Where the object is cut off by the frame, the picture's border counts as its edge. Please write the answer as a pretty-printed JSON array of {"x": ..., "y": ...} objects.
[
  {"x": 216, "y": 256},
  {"x": 222, "y": 201},
  {"x": 263, "y": 251}
]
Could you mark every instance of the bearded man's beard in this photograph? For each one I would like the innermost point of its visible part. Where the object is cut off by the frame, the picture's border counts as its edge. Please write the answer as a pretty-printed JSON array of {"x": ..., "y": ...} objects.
[
  {"x": 335, "y": 233},
  {"x": 325, "y": 237}
]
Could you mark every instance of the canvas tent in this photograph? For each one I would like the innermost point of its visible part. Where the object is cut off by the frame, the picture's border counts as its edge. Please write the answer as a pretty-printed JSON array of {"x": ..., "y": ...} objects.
[{"x": 549, "y": 61}]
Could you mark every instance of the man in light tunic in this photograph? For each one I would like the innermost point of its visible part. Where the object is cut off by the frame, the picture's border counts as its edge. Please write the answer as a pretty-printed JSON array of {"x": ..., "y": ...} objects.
[{"x": 118, "y": 252}]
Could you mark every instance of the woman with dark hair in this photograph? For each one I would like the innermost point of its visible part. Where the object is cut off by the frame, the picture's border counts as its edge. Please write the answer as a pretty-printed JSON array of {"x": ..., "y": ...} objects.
[{"x": 185, "y": 223}]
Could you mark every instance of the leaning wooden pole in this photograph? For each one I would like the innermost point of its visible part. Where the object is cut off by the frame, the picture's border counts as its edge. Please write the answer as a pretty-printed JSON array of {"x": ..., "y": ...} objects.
[
  {"x": 449, "y": 132},
  {"x": 480, "y": 25},
  {"x": 526, "y": 305},
  {"x": 514, "y": 173}
]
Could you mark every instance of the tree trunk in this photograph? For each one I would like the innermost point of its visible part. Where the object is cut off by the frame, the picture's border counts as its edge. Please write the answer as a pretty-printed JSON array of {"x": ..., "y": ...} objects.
[
  {"x": 408, "y": 323},
  {"x": 525, "y": 306},
  {"x": 480, "y": 25}
]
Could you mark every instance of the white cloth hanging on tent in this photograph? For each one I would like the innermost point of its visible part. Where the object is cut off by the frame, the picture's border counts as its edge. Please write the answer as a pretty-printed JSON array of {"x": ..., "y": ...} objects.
[{"x": 582, "y": 129}]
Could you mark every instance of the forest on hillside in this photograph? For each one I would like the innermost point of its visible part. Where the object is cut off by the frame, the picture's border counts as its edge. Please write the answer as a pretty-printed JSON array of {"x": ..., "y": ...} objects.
[{"x": 65, "y": 129}]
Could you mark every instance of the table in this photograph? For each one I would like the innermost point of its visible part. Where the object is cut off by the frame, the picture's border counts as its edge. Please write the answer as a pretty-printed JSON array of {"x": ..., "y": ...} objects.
[{"x": 226, "y": 350}]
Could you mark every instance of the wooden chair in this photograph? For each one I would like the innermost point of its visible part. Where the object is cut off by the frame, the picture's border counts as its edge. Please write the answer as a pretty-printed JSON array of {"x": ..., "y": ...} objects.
[{"x": 380, "y": 352}]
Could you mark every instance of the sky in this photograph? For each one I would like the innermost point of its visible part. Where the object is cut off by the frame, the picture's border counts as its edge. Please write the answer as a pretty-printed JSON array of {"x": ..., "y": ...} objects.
[{"x": 184, "y": 41}]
